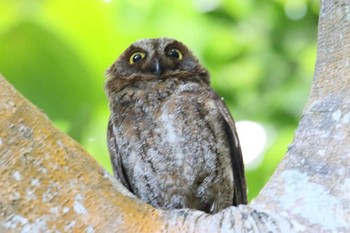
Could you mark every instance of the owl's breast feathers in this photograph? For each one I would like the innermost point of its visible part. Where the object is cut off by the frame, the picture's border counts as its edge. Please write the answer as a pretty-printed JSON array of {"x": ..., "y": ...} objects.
[{"x": 175, "y": 144}]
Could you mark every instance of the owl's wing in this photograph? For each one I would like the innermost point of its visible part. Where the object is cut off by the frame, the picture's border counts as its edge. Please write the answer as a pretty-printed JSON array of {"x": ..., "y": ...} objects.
[
  {"x": 116, "y": 159},
  {"x": 240, "y": 190}
]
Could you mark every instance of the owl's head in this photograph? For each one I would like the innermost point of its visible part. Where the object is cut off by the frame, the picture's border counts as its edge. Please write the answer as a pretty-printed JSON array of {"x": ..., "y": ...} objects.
[{"x": 159, "y": 58}]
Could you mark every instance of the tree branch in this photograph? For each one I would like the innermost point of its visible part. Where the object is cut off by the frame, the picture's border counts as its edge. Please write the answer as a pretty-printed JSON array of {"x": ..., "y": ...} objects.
[
  {"x": 311, "y": 185},
  {"x": 49, "y": 183}
]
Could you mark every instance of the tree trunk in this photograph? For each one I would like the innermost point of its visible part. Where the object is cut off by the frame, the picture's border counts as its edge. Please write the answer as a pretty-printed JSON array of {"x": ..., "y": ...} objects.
[{"x": 49, "y": 183}]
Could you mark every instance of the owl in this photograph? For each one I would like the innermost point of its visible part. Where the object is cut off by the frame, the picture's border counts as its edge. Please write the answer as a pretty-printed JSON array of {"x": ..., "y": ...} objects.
[{"x": 171, "y": 139}]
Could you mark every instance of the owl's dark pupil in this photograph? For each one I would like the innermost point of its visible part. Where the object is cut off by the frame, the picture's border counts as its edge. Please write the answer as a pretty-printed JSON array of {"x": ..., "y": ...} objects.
[
  {"x": 137, "y": 58},
  {"x": 173, "y": 53}
]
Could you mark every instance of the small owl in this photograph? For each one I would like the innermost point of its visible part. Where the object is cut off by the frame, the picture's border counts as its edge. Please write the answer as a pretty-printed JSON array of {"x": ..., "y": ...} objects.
[{"x": 171, "y": 139}]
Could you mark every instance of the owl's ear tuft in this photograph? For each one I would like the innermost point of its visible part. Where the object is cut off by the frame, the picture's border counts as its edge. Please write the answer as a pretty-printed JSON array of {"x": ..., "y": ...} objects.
[{"x": 108, "y": 72}]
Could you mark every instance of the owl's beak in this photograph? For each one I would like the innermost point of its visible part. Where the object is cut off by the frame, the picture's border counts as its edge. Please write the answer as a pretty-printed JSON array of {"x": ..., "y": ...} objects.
[{"x": 157, "y": 69}]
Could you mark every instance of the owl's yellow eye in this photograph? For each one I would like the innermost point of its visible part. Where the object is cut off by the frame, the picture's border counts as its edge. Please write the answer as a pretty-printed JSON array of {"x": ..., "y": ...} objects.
[
  {"x": 136, "y": 57},
  {"x": 174, "y": 53}
]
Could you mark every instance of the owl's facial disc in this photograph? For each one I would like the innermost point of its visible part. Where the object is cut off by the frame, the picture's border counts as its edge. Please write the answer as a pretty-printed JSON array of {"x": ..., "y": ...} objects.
[
  {"x": 159, "y": 57},
  {"x": 149, "y": 59}
]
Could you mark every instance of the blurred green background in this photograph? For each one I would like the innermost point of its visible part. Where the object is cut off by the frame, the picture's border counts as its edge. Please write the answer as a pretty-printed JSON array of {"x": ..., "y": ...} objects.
[{"x": 261, "y": 56}]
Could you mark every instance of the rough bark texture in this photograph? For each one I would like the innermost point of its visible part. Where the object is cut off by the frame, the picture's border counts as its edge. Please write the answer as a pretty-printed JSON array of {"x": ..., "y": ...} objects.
[
  {"x": 48, "y": 183},
  {"x": 312, "y": 184}
]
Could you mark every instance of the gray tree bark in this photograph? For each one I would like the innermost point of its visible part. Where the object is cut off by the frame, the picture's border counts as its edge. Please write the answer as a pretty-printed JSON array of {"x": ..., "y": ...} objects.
[{"x": 48, "y": 183}]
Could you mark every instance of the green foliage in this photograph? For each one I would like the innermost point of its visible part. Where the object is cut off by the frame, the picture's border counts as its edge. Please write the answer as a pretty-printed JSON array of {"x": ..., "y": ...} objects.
[{"x": 261, "y": 56}]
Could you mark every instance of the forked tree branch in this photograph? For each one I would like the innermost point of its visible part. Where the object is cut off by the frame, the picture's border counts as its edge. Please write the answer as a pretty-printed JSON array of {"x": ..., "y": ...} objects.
[{"x": 49, "y": 183}]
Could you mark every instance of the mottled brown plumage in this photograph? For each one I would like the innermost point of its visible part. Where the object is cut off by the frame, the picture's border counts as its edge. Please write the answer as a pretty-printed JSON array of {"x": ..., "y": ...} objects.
[{"x": 171, "y": 139}]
